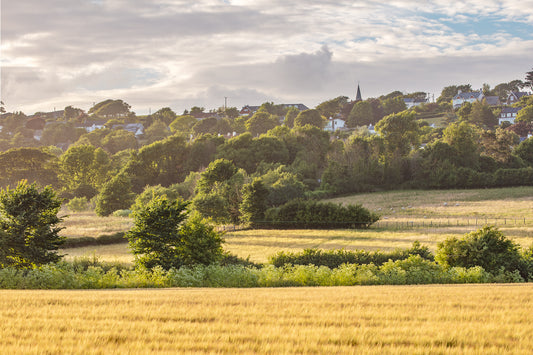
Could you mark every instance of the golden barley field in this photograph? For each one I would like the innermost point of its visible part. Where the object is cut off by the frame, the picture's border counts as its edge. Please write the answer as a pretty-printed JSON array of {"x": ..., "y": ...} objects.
[{"x": 439, "y": 319}]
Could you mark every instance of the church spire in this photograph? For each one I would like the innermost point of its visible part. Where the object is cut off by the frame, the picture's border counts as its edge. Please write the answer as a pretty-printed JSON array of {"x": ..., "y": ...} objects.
[{"x": 358, "y": 95}]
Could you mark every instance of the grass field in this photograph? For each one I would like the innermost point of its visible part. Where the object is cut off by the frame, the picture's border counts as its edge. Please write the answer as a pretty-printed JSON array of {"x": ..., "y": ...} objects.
[
  {"x": 466, "y": 319},
  {"x": 435, "y": 215}
]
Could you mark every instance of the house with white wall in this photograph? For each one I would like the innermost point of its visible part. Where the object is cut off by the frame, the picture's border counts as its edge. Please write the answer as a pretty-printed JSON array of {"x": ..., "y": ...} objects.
[{"x": 462, "y": 97}]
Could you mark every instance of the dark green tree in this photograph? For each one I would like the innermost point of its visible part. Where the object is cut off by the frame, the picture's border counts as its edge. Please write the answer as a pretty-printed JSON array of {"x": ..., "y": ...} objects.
[
  {"x": 254, "y": 203},
  {"x": 183, "y": 123},
  {"x": 261, "y": 122},
  {"x": 165, "y": 115},
  {"x": 400, "y": 131},
  {"x": 29, "y": 232},
  {"x": 32, "y": 164},
  {"x": 529, "y": 79},
  {"x": 116, "y": 195},
  {"x": 393, "y": 105},
  {"x": 165, "y": 235},
  {"x": 290, "y": 116},
  {"x": 361, "y": 115}
]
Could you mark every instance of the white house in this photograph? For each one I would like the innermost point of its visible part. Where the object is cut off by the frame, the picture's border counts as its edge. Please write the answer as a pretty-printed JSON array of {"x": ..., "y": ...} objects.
[
  {"x": 508, "y": 114},
  {"x": 462, "y": 97},
  {"x": 334, "y": 124},
  {"x": 412, "y": 102}
]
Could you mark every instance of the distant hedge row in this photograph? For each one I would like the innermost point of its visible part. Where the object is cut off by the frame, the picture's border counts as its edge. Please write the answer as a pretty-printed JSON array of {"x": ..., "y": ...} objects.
[
  {"x": 310, "y": 214},
  {"x": 105, "y": 239}
]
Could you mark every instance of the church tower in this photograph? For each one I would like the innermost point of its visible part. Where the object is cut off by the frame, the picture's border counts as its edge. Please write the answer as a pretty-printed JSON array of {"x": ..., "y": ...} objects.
[{"x": 358, "y": 95}]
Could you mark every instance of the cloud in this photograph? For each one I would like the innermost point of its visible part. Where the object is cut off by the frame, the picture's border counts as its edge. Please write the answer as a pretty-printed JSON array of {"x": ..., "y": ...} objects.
[{"x": 177, "y": 52}]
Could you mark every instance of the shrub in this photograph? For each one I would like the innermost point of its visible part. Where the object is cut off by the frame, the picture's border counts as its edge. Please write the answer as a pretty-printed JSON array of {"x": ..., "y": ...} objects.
[
  {"x": 486, "y": 247},
  {"x": 318, "y": 215}
]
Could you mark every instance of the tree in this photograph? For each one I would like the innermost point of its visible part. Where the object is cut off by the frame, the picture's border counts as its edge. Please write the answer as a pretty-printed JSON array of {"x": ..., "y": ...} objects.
[
  {"x": 481, "y": 115},
  {"x": 118, "y": 140},
  {"x": 72, "y": 113},
  {"x": 111, "y": 109},
  {"x": 165, "y": 115},
  {"x": 525, "y": 151},
  {"x": 165, "y": 235},
  {"x": 290, "y": 116},
  {"x": 464, "y": 138},
  {"x": 311, "y": 117},
  {"x": 261, "y": 122},
  {"x": 84, "y": 169},
  {"x": 116, "y": 195},
  {"x": 361, "y": 115},
  {"x": 32, "y": 164},
  {"x": 525, "y": 115},
  {"x": 29, "y": 234},
  {"x": 183, "y": 123},
  {"x": 156, "y": 132},
  {"x": 400, "y": 131},
  {"x": 486, "y": 247},
  {"x": 332, "y": 107},
  {"x": 254, "y": 202},
  {"x": 393, "y": 105},
  {"x": 529, "y": 79}
]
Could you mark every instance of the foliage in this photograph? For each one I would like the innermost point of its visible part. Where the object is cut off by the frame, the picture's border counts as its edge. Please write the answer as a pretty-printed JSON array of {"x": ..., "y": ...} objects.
[
  {"x": 318, "y": 215},
  {"x": 361, "y": 115},
  {"x": 110, "y": 108},
  {"x": 261, "y": 122},
  {"x": 486, "y": 247},
  {"x": 335, "y": 258},
  {"x": 78, "y": 204},
  {"x": 29, "y": 234},
  {"x": 116, "y": 194},
  {"x": 32, "y": 164},
  {"x": 309, "y": 117},
  {"x": 254, "y": 202},
  {"x": 164, "y": 235},
  {"x": 400, "y": 131}
]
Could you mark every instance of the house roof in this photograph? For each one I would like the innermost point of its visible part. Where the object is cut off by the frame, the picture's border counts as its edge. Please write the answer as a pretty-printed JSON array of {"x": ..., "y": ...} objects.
[
  {"x": 493, "y": 100},
  {"x": 518, "y": 94},
  {"x": 508, "y": 109},
  {"x": 468, "y": 95}
]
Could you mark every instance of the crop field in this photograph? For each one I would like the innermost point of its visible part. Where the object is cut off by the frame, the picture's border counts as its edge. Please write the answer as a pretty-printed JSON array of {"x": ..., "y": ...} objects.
[
  {"x": 465, "y": 319},
  {"x": 426, "y": 216}
]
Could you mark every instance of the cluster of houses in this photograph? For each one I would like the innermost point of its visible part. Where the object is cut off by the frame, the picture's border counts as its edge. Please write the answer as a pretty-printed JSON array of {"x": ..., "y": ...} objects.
[{"x": 507, "y": 114}]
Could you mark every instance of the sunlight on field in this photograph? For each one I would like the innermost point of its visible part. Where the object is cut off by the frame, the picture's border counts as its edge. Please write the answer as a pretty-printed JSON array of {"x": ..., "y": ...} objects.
[
  {"x": 427, "y": 216},
  {"x": 466, "y": 319}
]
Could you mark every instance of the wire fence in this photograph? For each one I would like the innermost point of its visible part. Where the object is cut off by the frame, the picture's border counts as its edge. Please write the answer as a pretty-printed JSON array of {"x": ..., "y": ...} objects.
[{"x": 469, "y": 223}]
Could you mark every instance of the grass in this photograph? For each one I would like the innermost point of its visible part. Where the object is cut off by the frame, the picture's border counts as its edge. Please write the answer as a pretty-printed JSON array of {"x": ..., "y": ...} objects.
[
  {"x": 426, "y": 216},
  {"x": 465, "y": 319}
]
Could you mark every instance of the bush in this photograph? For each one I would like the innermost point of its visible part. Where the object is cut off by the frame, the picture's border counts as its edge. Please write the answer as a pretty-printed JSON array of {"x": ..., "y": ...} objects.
[
  {"x": 335, "y": 258},
  {"x": 164, "y": 235},
  {"x": 29, "y": 234},
  {"x": 487, "y": 248},
  {"x": 318, "y": 215}
]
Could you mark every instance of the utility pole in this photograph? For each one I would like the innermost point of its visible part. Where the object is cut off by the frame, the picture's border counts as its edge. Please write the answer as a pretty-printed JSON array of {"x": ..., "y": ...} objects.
[{"x": 225, "y": 103}]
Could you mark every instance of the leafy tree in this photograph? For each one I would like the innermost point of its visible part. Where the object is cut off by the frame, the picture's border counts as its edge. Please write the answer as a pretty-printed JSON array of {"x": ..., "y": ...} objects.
[
  {"x": 499, "y": 144},
  {"x": 254, "y": 202},
  {"x": 290, "y": 116},
  {"x": 156, "y": 132},
  {"x": 525, "y": 151},
  {"x": 525, "y": 115},
  {"x": 58, "y": 132},
  {"x": 361, "y": 115},
  {"x": 183, "y": 123},
  {"x": 400, "y": 131},
  {"x": 197, "y": 111},
  {"x": 261, "y": 122},
  {"x": 393, "y": 105},
  {"x": 165, "y": 235},
  {"x": 482, "y": 115},
  {"x": 464, "y": 138},
  {"x": 205, "y": 126},
  {"x": 32, "y": 164},
  {"x": 309, "y": 117},
  {"x": 165, "y": 115},
  {"x": 464, "y": 111},
  {"x": 231, "y": 112},
  {"x": 83, "y": 170},
  {"x": 72, "y": 113},
  {"x": 116, "y": 195},
  {"x": 486, "y": 247},
  {"x": 29, "y": 234},
  {"x": 118, "y": 140},
  {"x": 332, "y": 107},
  {"x": 111, "y": 109}
]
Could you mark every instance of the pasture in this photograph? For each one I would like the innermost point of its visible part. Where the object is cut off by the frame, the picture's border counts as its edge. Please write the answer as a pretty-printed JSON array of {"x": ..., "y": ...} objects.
[
  {"x": 462, "y": 319},
  {"x": 426, "y": 216}
]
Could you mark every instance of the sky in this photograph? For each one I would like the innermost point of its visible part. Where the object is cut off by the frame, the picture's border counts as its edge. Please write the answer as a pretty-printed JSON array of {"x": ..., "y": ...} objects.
[{"x": 179, "y": 53}]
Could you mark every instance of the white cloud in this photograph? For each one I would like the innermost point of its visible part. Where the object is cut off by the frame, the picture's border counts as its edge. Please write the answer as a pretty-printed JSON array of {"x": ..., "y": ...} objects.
[{"x": 177, "y": 52}]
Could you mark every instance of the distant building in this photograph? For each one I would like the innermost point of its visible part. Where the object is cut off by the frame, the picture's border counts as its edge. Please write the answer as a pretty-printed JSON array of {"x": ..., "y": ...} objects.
[
  {"x": 493, "y": 100},
  {"x": 514, "y": 97},
  {"x": 462, "y": 97},
  {"x": 358, "y": 96},
  {"x": 508, "y": 114},
  {"x": 335, "y": 124},
  {"x": 411, "y": 102},
  {"x": 250, "y": 110}
]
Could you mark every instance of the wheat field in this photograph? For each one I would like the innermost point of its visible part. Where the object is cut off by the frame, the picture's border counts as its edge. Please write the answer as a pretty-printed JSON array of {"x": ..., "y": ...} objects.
[{"x": 440, "y": 319}]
